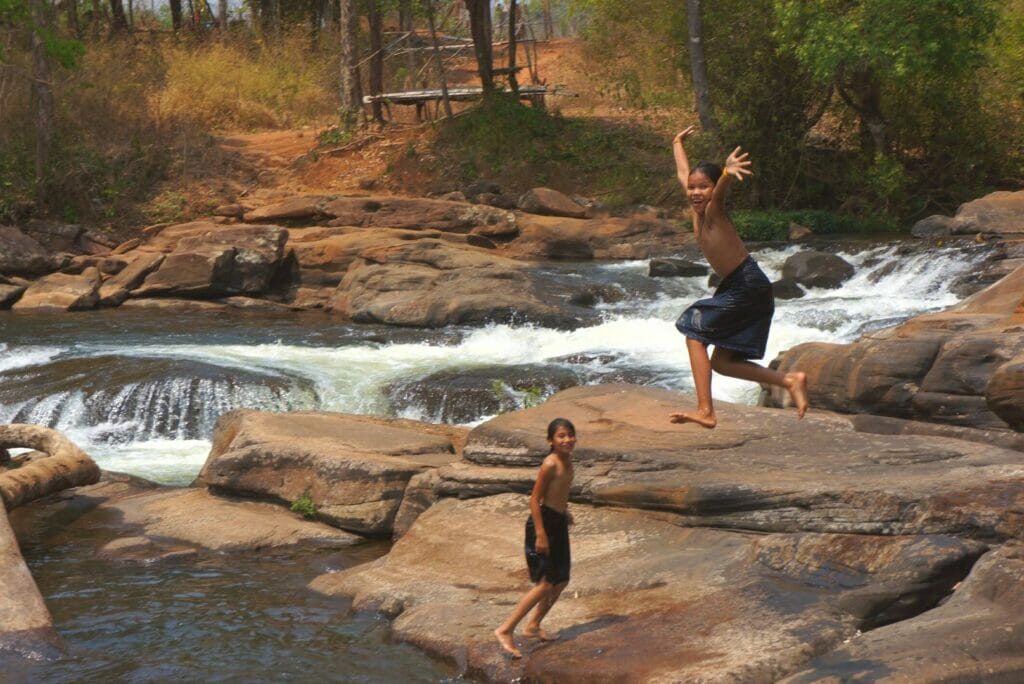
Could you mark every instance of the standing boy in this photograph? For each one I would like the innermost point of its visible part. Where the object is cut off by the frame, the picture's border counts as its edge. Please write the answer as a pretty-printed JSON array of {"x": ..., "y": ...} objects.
[
  {"x": 547, "y": 538},
  {"x": 736, "y": 319}
]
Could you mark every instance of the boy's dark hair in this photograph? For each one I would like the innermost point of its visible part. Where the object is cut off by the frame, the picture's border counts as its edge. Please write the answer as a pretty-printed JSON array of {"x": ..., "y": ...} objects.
[
  {"x": 712, "y": 171},
  {"x": 560, "y": 422}
]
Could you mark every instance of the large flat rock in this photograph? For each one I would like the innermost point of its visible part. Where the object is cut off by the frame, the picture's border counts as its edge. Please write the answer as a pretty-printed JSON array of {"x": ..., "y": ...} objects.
[
  {"x": 26, "y": 628},
  {"x": 354, "y": 468},
  {"x": 760, "y": 469},
  {"x": 649, "y": 601}
]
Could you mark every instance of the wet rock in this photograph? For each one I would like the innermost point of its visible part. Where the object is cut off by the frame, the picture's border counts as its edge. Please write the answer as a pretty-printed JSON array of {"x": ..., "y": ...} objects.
[
  {"x": 466, "y": 395},
  {"x": 26, "y": 628},
  {"x": 675, "y": 268},
  {"x": 817, "y": 269},
  {"x": 502, "y": 201},
  {"x": 62, "y": 292},
  {"x": 787, "y": 289},
  {"x": 591, "y": 295},
  {"x": 431, "y": 283},
  {"x": 934, "y": 226},
  {"x": 549, "y": 202},
  {"x": 760, "y": 469},
  {"x": 9, "y": 294},
  {"x": 355, "y": 469},
  {"x": 751, "y": 608},
  {"x": 976, "y": 636},
  {"x": 22, "y": 255}
]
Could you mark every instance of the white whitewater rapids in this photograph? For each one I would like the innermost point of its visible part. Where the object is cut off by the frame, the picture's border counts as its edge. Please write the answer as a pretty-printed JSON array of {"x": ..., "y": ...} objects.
[{"x": 157, "y": 422}]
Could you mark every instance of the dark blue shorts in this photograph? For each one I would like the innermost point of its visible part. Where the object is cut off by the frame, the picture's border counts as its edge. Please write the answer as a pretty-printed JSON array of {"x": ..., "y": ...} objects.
[
  {"x": 554, "y": 565},
  {"x": 738, "y": 316}
]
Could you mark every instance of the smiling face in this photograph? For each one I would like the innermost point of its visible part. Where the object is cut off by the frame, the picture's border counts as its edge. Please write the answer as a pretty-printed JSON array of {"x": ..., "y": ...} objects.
[
  {"x": 698, "y": 189},
  {"x": 563, "y": 441}
]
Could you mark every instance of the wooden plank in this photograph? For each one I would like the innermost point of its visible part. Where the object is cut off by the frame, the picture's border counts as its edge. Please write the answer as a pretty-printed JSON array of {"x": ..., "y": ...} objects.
[{"x": 461, "y": 94}]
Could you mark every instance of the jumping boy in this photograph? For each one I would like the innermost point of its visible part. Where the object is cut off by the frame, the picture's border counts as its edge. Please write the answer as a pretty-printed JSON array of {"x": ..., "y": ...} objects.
[
  {"x": 736, "y": 319},
  {"x": 547, "y": 538}
]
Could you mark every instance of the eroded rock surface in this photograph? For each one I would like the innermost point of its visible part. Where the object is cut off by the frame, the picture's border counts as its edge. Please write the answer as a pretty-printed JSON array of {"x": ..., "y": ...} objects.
[
  {"x": 648, "y": 601},
  {"x": 760, "y": 469},
  {"x": 355, "y": 469}
]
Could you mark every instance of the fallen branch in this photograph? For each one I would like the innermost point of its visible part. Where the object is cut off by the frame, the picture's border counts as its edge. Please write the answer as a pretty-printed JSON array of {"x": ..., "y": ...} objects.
[{"x": 27, "y": 479}]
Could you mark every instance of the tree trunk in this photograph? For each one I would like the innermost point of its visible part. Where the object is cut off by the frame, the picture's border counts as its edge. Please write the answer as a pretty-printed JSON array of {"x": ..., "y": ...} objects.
[
  {"x": 549, "y": 25},
  {"x": 119, "y": 22},
  {"x": 175, "y": 14},
  {"x": 480, "y": 27},
  {"x": 698, "y": 66},
  {"x": 351, "y": 92},
  {"x": 42, "y": 90},
  {"x": 376, "y": 57},
  {"x": 222, "y": 11},
  {"x": 405, "y": 23},
  {"x": 513, "y": 82},
  {"x": 71, "y": 6},
  {"x": 439, "y": 65}
]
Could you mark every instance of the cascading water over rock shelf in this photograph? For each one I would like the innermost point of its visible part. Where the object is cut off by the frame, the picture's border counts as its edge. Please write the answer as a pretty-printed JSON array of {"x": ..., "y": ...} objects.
[{"x": 141, "y": 392}]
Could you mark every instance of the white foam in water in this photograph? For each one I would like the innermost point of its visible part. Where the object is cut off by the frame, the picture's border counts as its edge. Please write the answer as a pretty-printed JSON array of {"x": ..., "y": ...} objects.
[{"x": 635, "y": 334}]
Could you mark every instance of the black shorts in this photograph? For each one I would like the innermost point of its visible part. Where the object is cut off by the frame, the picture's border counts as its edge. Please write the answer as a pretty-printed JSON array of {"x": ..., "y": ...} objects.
[
  {"x": 738, "y": 316},
  {"x": 554, "y": 565}
]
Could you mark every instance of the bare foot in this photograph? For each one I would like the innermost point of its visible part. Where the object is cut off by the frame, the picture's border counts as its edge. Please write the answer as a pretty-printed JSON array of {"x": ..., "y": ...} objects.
[
  {"x": 796, "y": 385},
  {"x": 700, "y": 417},
  {"x": 539, "y": 633},
  {"x": 506, "y": 643}
]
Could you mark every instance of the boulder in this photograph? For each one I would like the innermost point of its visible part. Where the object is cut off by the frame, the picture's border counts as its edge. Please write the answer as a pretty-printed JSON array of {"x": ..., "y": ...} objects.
[
  {"x": 62, "y": 292},
  {"x": 934, "y": 226},
  {"x": 556, "y": 237},
  {"x": 225, "y": 260},
  {"x": 1004, "y": 392},
  {"x": 417, "y": 214},
  {"x": 22, "y": 255},
  {"x": 751, "y": 608},
  {"x": 975, "y": 636},
  {"x": 549, "y": 203},
  {"x": 431, "y": 283},
  {"x": 464, "y": 396},
  {"x": 306, "y": 208},
  {"x": 54, "y": 235},
  {"x": 817, "y": 269},
  {"x": 675, "y": 268},
  {"x": 115, "y": 290},
  {"x": 760, "y": 469},
  {"x": 355, "y": 469},
  {"x": 9, "y": 294},
  {"x": 785, "y": 288},
  {"x": 998, "y": 213},
  {"x": 798, "y": 232}
]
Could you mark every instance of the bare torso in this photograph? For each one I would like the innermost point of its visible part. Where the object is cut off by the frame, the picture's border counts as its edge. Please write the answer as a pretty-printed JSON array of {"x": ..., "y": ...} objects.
[
  {"x": 557, "y": 494},
  {"x": 720, "y": 243}
]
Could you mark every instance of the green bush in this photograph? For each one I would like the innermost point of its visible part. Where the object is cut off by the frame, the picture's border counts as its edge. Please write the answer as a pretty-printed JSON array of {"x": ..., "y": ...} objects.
[
  {"x": 774, "y": 225},
  {"x": 305, "y": 506}
]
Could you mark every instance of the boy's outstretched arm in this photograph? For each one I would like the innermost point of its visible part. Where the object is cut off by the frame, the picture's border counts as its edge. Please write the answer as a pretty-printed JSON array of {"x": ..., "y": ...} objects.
[
  {"x": 682, "y": 163},
  {"x": 736, "y": 166}
]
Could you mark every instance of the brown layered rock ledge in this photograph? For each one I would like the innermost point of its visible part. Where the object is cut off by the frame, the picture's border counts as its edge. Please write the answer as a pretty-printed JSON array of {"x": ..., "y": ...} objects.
[
  {"x": 354, "y": 468},
  {"x": 959, "y": 367}
]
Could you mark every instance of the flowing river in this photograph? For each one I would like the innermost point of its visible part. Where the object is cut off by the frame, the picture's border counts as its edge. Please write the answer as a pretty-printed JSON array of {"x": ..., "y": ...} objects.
[{"x": 142, "y": 390}]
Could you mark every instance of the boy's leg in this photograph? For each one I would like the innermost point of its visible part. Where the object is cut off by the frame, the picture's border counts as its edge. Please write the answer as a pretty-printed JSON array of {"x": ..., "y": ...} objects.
[
  {"x": 730, "y": 363},
  {"x": 701, "y": 367},
  {"x": 533, "y": 629},
  {"x": 529, "y": 600}
]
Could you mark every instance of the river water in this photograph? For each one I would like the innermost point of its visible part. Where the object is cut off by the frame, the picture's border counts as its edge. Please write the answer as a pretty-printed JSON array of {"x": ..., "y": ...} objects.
[{"x": 141, "y": 392}]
